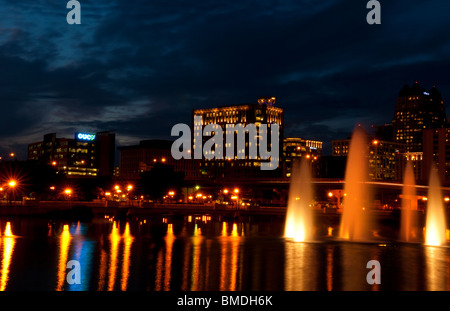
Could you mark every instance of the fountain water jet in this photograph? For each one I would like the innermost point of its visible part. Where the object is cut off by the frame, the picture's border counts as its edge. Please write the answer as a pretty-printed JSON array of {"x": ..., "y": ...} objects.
[
  {"x": 299, "y": 216},
  {"x": 435, "y": 226},
  {"x": 409, "y": 205},
  {"x": 355, "y": 215}
]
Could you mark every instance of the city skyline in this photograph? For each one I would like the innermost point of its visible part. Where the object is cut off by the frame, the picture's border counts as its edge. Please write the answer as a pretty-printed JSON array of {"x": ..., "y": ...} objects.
[{"x": 141, "y": 69}]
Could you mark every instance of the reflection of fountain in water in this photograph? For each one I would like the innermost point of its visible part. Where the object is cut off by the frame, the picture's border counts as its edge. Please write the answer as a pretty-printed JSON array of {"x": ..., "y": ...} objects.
[
  {"x": 435, "y": 227},
  {"x": 409, "y": 206},
  {"x": 355, "y": 219},
  {"x": 301, "y": 272},
  {"x": 299, "y": 217}
]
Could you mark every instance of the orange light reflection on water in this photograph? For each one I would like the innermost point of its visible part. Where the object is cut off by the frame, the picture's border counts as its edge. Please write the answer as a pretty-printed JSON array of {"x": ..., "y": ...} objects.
[
  {"x": 128, "y": 241},
  {"x": 64, "y": 242},
  {"x": 8, "y": 242},
  {"x": 229, "y": 260},
  {"x": 114, "y": 239}
]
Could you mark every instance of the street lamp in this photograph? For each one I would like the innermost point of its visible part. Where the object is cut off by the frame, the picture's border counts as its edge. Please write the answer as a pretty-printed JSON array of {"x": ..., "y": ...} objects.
[
  {"x": 236, "y": 196},
  {"x": 12, "y": 184}
]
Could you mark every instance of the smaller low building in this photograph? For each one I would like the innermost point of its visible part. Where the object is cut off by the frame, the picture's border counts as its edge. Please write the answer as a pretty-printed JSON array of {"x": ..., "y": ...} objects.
[{"x": 136, "y": 159}]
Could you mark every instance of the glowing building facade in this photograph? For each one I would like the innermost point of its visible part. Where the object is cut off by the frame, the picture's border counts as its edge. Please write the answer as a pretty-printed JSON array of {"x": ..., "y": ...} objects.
[
  {"x": 262, "y": 112},
  {"x": 85, "y": 155},
  {"x": 416, "y": 110}
]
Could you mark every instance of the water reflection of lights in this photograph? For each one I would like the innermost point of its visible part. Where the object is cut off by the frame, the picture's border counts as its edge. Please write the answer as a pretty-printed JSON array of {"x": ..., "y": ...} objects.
[
  {"x": 164, "y": 262},
  {"x": 128, "y": 241},
  {"x": 196, "y": 254},
  {"x": 114, "y": 239},
  {"x": 437, "y": 271},
  {"x": 109, "y": 261},
  {"x": 64, "y": 244},
  {"x": 229, "y": 259},
  {"x": 8, "y": 242}
]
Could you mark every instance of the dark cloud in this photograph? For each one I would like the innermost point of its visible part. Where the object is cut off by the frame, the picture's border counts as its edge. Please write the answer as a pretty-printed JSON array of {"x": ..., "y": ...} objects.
[{"x": 140, "y": 67}]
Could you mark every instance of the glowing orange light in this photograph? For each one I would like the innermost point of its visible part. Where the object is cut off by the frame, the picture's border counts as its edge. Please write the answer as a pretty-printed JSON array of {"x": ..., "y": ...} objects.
[
  {"x": 424, "y": 199},
  {"x": 163, "y": 159},
  {"x": 330, "y": 194},
  {"x": 446, "y": 199},
  {"x": 225, "y": 191},
  {"x": 308, "y": 156},
  {"x": 236, "y": 190},
  {"x": 330, "y": 231},
  {"x": 130, "y": 187},
  {"x": 107, "y": 194},
  {"x": 68, "y": 191},
  {"x": 12, "y": 183},
  {"x": 12, "y": 154},
  {"x": 52, "y": 188},
  {"x": 375, "y": 142},
  {"x": 54, "y": 163}
]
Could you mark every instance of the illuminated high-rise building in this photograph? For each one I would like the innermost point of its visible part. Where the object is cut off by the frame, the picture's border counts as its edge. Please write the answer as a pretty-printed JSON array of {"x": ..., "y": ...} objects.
[
  {"x": 417, "y": 109},
  {"x": 436, "y": 151},
  {"x": 262, "y": 112}
]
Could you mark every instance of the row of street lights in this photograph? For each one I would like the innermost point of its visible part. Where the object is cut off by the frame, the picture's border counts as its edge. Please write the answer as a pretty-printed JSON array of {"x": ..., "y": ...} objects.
[{"x": 119, "y": 193}]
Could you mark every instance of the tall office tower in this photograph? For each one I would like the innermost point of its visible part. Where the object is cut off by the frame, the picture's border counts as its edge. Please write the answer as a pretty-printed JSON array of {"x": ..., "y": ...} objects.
[
  {"x": 417, "y": 109},
  {"x": 240, "y": 164}
]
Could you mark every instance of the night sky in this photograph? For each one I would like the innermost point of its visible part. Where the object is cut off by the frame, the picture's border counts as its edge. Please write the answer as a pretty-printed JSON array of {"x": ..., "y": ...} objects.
[{"x": 140, "y": 67}]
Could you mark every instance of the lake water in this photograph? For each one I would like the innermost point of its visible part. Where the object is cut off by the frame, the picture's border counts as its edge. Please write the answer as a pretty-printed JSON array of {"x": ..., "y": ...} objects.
[{"x": 197, "y": 253}]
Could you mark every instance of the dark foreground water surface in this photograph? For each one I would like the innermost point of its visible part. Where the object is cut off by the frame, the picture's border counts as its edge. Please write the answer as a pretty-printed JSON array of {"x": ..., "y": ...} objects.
[{"x": 196, "y": 253}]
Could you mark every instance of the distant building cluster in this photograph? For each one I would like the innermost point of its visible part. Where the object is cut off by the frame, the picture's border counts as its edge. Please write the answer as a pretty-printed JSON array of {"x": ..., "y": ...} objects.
[
  {"x": 135, "y": 160},
  {"x": 419, "y": 132}
]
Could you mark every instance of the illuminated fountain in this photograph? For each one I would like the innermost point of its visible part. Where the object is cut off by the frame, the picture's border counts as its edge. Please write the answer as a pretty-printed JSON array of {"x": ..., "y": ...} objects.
[
  {"x": 435, "y": 226},
  {"x": 409, "y": 206},
  {"x": 355, "y": 217},
  {"x": 299, "y": 216}
]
